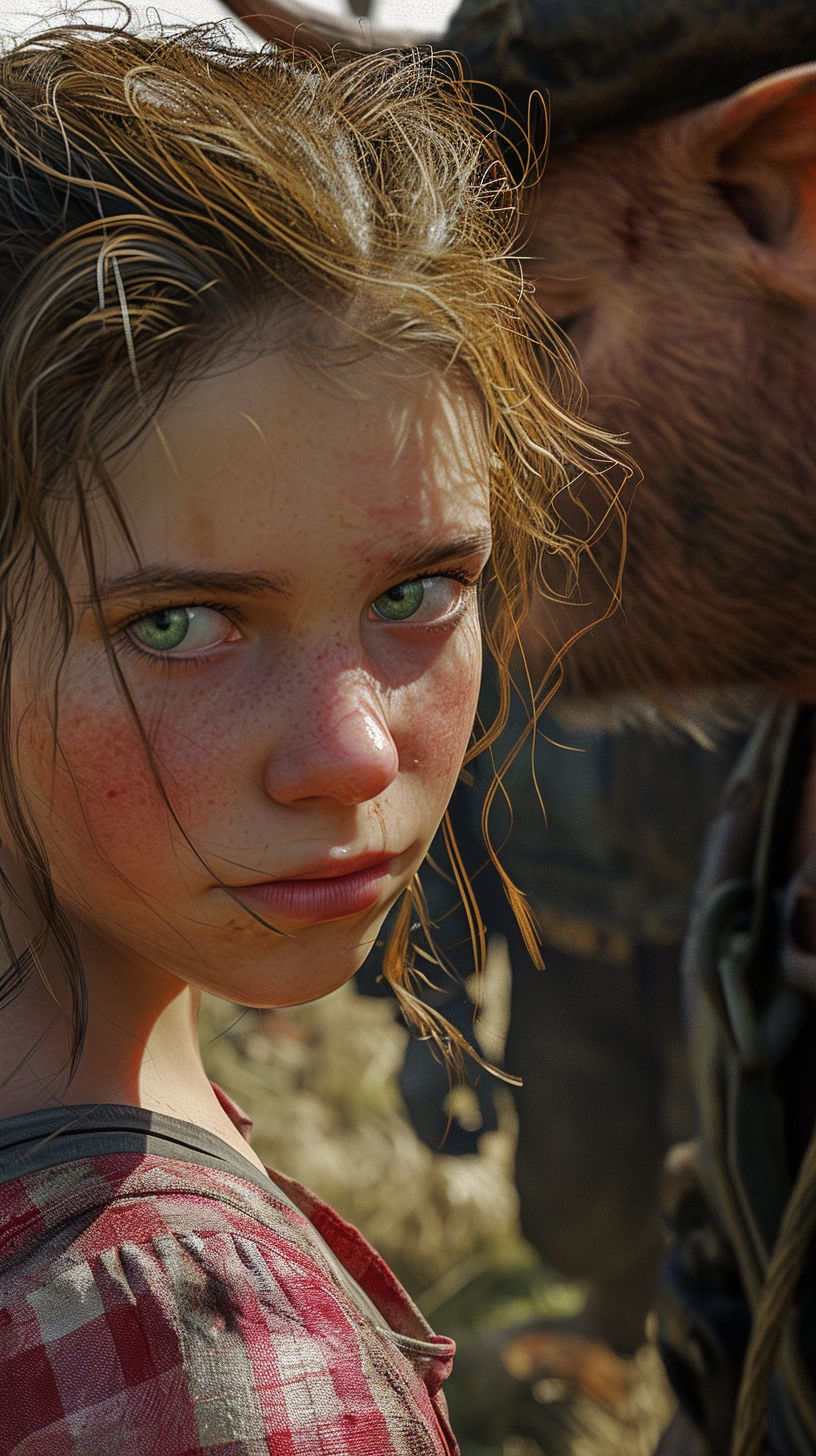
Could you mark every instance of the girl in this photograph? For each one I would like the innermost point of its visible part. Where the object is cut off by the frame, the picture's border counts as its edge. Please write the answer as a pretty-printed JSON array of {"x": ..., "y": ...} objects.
[{"x": 268, "y": 400}]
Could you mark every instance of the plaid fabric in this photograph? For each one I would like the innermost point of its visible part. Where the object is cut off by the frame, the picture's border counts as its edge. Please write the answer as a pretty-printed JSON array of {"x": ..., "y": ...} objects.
[{"x": 150, "y": 1307}]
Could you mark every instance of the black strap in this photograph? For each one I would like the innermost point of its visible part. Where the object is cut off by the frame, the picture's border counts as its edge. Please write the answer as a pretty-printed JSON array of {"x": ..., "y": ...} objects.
[{"x": 34, "y": 1141}]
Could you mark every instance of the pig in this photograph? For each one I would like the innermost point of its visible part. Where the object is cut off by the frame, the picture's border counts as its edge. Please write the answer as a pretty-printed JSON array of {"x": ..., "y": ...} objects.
[{"x": 680, "y": 257}]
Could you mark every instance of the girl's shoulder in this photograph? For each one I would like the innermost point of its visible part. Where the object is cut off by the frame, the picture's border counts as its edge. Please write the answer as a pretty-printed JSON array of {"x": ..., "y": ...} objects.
[{"x": 157, "y": 1307}]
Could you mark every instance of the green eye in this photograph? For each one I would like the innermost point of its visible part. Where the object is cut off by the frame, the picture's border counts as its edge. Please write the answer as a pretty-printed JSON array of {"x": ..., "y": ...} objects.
[
  {"x": 164, "y": 630},
  {"x": 426, "y": 601},
  {"x": 400, "y": 602},
  {"x": 193, "y": 629}
]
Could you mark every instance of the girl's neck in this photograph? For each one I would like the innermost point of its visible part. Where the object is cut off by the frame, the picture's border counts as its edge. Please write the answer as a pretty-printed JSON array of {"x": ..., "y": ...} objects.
[{"x": 157, "y": 1066}]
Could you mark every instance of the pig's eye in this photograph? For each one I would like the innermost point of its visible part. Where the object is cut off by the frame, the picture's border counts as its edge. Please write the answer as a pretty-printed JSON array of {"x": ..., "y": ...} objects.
[
  {"x": 181, "y": 631},
  {"x": 426, "y": 600}
]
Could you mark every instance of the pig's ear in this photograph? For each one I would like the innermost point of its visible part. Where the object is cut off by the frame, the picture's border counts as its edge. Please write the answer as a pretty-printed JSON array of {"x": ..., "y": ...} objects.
[{"x": 758, "y": 148}]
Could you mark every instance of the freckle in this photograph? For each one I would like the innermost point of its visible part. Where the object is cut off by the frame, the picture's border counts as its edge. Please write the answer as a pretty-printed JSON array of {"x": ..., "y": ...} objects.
[{"x": 112, "y": 793}]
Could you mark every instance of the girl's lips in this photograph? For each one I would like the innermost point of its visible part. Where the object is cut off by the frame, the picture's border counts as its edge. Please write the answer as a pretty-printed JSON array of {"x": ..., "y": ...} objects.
[{"x": 325, "y": 896}]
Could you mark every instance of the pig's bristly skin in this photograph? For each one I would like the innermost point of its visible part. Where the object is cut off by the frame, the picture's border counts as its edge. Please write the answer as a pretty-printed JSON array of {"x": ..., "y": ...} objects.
[{"x": 681, "y": 257}]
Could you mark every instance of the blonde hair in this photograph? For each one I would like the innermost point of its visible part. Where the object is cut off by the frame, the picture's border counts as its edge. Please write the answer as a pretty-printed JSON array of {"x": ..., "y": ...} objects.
[{"x": 159, "y": 194}]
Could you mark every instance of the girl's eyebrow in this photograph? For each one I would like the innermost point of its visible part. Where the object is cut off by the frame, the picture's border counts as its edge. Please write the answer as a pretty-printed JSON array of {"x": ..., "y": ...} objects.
[
  {"x": 477, "y": 544},
  {"x": 163, "y": 578}
]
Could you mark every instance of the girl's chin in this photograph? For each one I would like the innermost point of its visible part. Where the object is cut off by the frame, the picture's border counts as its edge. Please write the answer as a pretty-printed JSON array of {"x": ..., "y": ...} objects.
[
  {"x": 301, "y": 969},
  {"x": 269, "y": 997}
]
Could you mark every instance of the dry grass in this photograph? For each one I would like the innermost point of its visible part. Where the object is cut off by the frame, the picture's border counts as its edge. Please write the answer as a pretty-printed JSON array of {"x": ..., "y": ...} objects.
[
  {"x": 319, "y": 1082},
  {"x": 639, "y": 1421}
]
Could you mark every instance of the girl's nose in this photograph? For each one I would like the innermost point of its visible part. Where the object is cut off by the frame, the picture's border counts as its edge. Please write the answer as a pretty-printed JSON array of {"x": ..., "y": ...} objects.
[{"x": 340, "y": 748}]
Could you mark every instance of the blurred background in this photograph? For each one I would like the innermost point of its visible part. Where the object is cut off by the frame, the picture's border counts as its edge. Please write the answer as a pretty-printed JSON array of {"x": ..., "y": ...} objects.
[{"x": 321, "y": 1084}]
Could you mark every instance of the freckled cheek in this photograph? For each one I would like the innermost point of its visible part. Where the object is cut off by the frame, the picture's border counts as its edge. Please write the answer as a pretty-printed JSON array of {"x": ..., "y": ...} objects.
[
  {"x": 96, "y": 793},
  {"x": 437, "y": 717},
  {"x": 98, "y": 799}
]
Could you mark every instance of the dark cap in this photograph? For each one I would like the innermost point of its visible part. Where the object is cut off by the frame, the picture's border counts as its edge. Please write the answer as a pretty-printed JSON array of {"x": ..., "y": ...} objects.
[{"x": 609, "y": 63}]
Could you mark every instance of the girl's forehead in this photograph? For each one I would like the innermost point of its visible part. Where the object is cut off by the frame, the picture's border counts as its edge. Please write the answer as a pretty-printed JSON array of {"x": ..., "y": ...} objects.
[{"x": 271, "y": 455}]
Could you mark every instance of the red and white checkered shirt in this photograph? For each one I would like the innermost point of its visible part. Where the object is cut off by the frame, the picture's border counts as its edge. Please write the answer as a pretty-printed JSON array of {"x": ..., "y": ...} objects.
[{"x": 155, "y": 1307}]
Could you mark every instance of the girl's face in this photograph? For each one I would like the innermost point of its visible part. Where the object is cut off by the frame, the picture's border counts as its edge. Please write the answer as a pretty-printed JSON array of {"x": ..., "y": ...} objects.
[{"x": 300, "y": 639}]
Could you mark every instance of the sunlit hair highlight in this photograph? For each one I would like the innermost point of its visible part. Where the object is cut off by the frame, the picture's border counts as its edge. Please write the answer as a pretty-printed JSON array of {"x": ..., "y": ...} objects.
[{"x": 161, "y": 197}]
